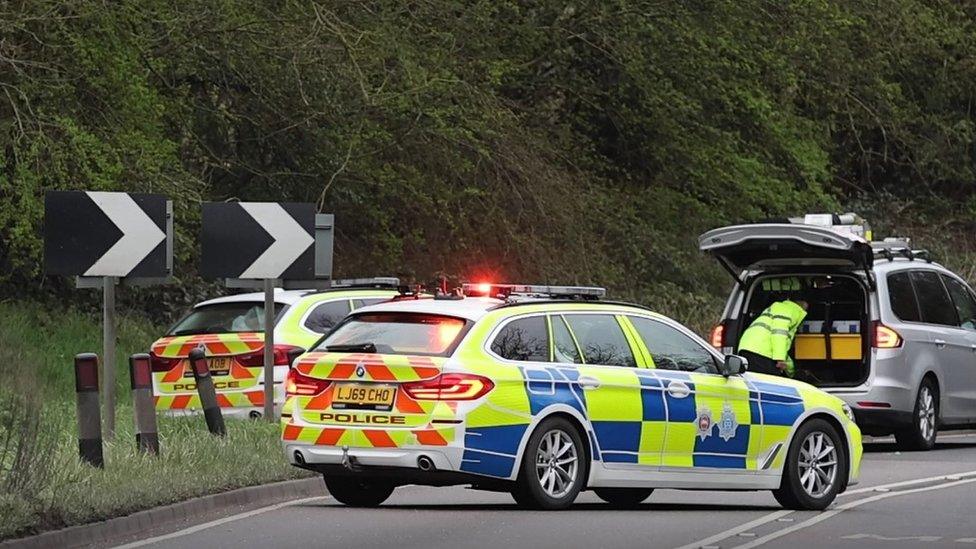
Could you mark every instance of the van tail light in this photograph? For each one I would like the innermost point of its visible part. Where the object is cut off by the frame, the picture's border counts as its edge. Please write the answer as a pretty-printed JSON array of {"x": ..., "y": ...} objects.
[
  {"x": 162, "y": 364},
  {"x": 300, "y": 384},
  {"x": 717, "y": 337},
  {"x": 280, "y": 353},
  {"x": 884, "y": 337},
  {"x": 449, "y": 387}
]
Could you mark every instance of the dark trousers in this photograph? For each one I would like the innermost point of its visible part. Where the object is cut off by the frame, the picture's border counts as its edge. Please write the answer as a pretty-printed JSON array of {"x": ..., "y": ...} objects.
[{"x": 761, "y": 364}]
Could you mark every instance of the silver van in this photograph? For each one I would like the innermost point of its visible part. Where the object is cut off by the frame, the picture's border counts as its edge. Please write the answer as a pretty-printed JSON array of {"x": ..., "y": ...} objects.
[{"x": 888, "y": 331}]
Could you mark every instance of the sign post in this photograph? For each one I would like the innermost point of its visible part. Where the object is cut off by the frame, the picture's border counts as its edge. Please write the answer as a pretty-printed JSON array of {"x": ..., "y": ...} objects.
[
  {"x": 262, "y": 244},
  {"x": 106, "y": 238}
]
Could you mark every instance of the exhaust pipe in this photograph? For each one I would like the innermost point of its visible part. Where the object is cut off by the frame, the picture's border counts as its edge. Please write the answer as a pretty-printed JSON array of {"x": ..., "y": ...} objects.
[
  {"x": 299, "y": 458},
  {"x": 425, "y": 463},
  {"x": 254, "y": 414}
]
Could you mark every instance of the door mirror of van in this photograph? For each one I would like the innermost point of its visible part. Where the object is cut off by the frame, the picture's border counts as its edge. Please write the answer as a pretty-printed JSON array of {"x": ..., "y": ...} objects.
[{"x": 733, "y": 365}]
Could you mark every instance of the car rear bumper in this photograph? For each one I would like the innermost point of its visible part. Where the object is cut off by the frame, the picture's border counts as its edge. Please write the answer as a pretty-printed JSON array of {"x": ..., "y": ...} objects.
[
  {"x": 312, "y": 456},
  {"x": 881, "y": 421}
]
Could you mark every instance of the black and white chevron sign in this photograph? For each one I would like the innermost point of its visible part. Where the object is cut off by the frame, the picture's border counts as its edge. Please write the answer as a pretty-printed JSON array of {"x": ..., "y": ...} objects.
[
  {"x": 258, "y": 240},
  {"x": 101, "y": 234}
]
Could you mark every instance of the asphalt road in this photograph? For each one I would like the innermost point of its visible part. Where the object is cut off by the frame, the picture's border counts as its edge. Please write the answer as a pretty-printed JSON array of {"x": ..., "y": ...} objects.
[{"x": 905, "y": 499}]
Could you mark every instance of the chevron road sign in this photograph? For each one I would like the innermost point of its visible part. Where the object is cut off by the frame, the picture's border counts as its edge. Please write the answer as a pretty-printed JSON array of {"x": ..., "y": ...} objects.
[
  {"x": 98, "y": 234},
  {"x": 258, "y": 240}
]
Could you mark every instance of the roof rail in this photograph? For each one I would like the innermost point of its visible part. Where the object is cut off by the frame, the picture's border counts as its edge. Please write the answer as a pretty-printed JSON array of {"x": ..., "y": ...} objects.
[
  {"x": 504, "y": 291},
  {"x": 889, "y": 248},
  {"x": 374, "y": 282}
]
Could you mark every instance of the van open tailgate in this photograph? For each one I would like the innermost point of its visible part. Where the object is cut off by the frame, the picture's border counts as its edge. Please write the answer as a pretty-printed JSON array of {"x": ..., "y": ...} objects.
[{"x": 754, "y": 246}]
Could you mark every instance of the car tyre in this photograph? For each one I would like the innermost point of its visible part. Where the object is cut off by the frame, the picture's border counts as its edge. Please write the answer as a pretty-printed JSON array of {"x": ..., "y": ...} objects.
[
  {"x": 925, "y": 420},
  {"x": 358, "y": 492},
  {"x": 623, "y": 498},
  {"x": 554, "y": 466},
  {"x": 815, "y": 467}
]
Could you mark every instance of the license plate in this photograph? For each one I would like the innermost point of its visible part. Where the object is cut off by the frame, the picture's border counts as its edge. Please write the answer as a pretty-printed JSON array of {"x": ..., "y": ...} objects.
[
  {"x": 219, "y": 366},
  {"x": 364, "y": 396}
]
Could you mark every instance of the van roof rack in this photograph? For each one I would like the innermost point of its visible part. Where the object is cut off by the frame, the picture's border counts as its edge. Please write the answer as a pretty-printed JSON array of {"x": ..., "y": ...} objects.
[
  {"x": 893, "y": 247},
  {"x": 507, "y": 291}
]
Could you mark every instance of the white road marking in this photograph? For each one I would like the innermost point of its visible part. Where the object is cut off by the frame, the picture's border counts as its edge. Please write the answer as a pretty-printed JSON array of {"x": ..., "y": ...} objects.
[
  {"x": 847, "y": 506},
  {"x": 779, "y": 516},
  {"x": 218, "y": 522}
]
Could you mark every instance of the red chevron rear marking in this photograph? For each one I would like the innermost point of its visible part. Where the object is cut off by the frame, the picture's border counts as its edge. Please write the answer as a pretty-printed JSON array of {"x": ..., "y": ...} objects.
[
  {"x": 329, "y": 437},
  {"x": 379, "y": 439},
  {"x": 291, "y": 432}
]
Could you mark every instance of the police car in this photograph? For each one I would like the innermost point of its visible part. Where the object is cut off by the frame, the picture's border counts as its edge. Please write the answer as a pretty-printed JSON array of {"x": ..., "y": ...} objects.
[
  {"x": 546, "y": 391},
  {"x": 231, "y": 329}
]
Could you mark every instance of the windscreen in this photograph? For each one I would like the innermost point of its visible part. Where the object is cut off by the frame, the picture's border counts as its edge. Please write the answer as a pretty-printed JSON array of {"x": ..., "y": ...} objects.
[
  {"x": 222, "y": 318},
  {"x": 397, "y": 334}
]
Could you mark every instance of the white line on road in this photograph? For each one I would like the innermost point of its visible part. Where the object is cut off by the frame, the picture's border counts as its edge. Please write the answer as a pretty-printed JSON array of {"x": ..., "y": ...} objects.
[
  {"x": 834, "y": 512},
  {"x": 218, "y": 522},
  {"x": 776, "y": 515}
]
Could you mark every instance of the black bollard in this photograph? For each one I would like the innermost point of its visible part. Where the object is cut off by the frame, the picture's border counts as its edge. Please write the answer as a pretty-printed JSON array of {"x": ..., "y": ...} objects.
[
  {"x": 140, "y": 379},
  {"x": 89, "y": 413},
  {"x": 208, "y": 396}
]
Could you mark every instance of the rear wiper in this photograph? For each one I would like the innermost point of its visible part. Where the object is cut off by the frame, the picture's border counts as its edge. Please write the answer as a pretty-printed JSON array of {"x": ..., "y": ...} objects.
[{"x": 352, "y": 348}]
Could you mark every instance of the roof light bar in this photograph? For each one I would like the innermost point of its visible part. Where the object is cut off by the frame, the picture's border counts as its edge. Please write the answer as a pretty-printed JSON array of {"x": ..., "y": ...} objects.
[
  {"x": 374, "y": 282},
  {"x": 505, "y": 290}
]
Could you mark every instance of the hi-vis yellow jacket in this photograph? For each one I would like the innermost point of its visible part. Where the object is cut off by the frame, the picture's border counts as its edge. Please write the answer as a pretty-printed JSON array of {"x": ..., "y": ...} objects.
[{"x": 771, "y": 334}]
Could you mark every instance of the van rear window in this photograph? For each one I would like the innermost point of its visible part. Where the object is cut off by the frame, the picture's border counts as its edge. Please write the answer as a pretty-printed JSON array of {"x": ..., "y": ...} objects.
[
  {"x": 224, "y": 318},
  {"x": 901, "y": 296},
  {"x": 397, "y": 334}
]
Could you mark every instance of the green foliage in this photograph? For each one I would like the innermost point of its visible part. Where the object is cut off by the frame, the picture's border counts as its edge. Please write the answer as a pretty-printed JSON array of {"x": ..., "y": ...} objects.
[{"x": 538, "y": 141}]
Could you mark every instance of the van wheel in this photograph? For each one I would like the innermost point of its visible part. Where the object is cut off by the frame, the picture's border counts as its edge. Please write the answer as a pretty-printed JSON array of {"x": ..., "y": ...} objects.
[
  {"x": 623, "y": 498},
  {"x": 925, "y": 420},
  {"x": 553, "y": 467},
  {"x": 812, "y": 475},
  {"x": 358, "y": 492}
]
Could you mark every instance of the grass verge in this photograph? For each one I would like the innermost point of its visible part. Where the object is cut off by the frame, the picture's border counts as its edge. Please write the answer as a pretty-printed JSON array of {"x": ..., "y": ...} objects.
[{"x": 44, "y": 486}]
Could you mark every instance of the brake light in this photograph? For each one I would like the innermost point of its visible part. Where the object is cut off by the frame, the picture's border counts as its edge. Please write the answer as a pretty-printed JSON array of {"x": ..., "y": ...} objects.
[
  {"x": 449, "y": 387},
  {"x": 299, "y": 384},
  {"x": 256, "y": 359},
  {"x": 717, "y": 338},
  {"x": 162, "y": 364},
  {"x": 885, "y": 337}
]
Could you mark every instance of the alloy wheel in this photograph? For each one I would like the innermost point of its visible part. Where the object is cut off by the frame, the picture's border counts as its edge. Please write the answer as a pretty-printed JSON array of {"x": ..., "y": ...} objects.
[
  {"x": 557, "y": 463},
  {"x": 817, "y": 464},
  {"x": 926, "y": 413}
]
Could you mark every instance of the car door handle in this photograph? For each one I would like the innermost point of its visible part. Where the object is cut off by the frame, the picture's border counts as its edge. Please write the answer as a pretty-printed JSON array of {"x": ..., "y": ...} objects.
[
  {"x": 940, "y": 343},
  {"x": 587, "y": 382},
  {"x": 677, "y": 389}
]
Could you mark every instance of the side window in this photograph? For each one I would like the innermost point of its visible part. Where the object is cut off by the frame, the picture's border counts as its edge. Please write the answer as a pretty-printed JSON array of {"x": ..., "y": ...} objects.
[
  {"x": 326, "y": 315},
  {"x": 962, "y": 298},
  {"x": 563, "y": 345},
  {"x": 933, "y": 299},
  {"x": 673, "y": 350},
  {"x": 359, "y": 303},
  {"x": 525, "y": 339},
  {"x": 602, "y": 340},
  {"x": 901, "y": 296}
]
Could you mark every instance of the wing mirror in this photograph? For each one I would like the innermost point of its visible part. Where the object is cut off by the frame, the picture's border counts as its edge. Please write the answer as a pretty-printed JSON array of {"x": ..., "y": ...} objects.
[
  {"x": 293, "y": 354},
  {"x": 733, "y": 365}
]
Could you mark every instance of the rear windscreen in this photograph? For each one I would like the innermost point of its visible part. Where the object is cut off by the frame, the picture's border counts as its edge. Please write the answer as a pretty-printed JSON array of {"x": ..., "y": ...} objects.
[
  {"x": 222, "y": 318},
  {"x": 398, "y": 333}
]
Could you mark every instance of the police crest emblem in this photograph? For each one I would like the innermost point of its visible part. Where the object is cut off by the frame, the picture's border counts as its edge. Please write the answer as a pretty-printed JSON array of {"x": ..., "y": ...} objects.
[{"x": 727, "y": 424}]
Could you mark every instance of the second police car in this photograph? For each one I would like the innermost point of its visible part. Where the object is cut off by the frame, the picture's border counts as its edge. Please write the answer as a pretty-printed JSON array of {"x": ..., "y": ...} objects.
[
  {"x": 548, "y": 396},
  {"x": 231, "y": 329}
]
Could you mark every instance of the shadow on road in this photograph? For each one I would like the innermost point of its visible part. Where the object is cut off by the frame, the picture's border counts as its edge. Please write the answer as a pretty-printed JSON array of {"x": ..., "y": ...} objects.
[
  {"x": 888, "y": 447},
  {"x": 589, "y": 507}
]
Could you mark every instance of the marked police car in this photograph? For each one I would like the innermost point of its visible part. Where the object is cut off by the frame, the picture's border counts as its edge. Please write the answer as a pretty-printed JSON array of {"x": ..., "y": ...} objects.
[
  {"x": 546, "y": 391},
  {"x": 231, "y": 329}
]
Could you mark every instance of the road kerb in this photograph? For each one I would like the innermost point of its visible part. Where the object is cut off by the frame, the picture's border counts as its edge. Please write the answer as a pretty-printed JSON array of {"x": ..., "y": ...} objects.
[{"x": 119, "y": 528}]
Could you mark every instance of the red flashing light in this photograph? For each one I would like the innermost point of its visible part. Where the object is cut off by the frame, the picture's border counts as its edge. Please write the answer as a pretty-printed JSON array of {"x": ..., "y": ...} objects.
[
  {"x": 297, "y": 383},
  {"x": 885, "y": 337},
  {"x": 449, "y": 387}
]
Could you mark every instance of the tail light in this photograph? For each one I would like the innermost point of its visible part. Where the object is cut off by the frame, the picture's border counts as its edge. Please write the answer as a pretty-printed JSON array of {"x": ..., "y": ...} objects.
[
  {"x": 717, "y": 338},
  {"x": 884, "y": 337},
  {"x": 449, "y": 387},
  {"x": 162, "y": 364},
  {"x": 280, "y": 354},
  {"x": 299, "y": 384}
]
